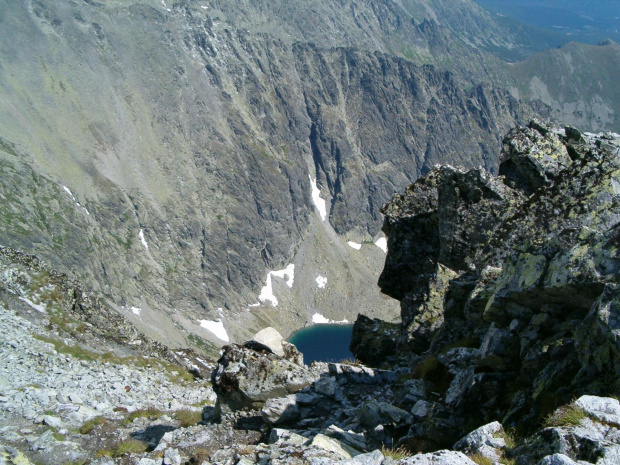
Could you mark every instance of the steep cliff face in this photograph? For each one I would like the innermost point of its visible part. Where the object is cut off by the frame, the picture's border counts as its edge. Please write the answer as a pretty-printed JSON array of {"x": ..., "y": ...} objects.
[
  {"x": 507, "y": 284},
  {"x": 164, "y": 153}
]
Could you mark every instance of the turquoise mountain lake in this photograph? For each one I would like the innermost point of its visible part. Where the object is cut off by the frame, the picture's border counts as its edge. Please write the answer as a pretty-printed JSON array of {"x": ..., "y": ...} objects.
[{"x": 323, "y": 342}]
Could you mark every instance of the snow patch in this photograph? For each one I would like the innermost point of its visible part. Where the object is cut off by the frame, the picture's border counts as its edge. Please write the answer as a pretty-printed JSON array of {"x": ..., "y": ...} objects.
[
  {"x": 382, "y": 244},
  {"x": 143, "y": 240},
  {"x": 321, "y": 282},
  {"x": 68, "y": 191},
  {"x": 37, "y": 307},
  {"x": 215, "y": 327},
  {"x": 319, "y": 319},
  {"x": 136, "y": 311},
  {"x": 354, "y": 245},
  {"x": 318, "y": 201},
  {"x": 266, "y": 292}
]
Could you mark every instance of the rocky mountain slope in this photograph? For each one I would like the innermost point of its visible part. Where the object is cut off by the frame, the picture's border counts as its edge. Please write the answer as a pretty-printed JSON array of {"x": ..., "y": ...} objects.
[
  {"x": 506, "y": 353},
  {"x": 165, "y": 153}
]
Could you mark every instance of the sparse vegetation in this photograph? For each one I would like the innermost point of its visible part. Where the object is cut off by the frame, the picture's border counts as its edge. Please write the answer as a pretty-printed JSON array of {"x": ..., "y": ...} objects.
[
  {"x": 130, "y": 446},
  {"x": 396, "y": 454},
  {"x": 481, "y": 459},
  {"x": 175, "y": 373},
  {"x": 90, "y": 424},
  {"x": 509, "y": 436},
  {"x": 151, "y": 413},
  {"x": 351, "y": 361},
  {"x": 428, "y": 366},
  {"x": 188, "y": 417},
  {"x": 59, "y": 437},
  {"x": 471, "y": 342},
  {"x": 567, "y": 415}
]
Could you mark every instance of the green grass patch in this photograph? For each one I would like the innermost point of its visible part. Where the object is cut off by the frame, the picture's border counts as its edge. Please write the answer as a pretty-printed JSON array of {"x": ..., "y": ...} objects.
[
  {"x": 151, "y": 413},
  {"x": 62, "y": 348},
  {"x": 481, "y": 459},
  {"x": 90, "y": 424},
  {"x": 567, "y": 415},
  {"x": 188, "y": 417},
  {"x": 59, "y": 437},
  {"x": 174, "y": 373},
  {"x": 130, "y": 446}
]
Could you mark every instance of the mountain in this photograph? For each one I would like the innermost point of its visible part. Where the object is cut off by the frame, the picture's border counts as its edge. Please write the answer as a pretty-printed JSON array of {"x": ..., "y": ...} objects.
[{"x": 165, "y": 153}]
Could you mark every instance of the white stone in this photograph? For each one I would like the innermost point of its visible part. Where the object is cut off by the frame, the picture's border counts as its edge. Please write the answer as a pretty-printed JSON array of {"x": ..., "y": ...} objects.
[{"x": 270, "y": 338}]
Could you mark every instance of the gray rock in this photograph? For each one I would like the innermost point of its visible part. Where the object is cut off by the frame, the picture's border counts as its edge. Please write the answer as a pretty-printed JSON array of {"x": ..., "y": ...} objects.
[
  {"x": 478, "y": 437},
  {"x": 605, "y": 409},
  {"x": 557, "y": 459},
  {"x": 172, "y": 457},
  {"x": 350, "y": 438},
  {"x": 611, "y": 456},
  {"x": 246, "y": 378},
  {"x": 332, "y": 445},
  {"x": 442, "y": 457},
  {"x": 326, "y": 386},
  {"x": 421, "y": 409},
  {"x": 50, "y": 420},
  {"x": 280, "y": 410},
  {"x": 371, "y": 458},
  {"x": 147, "y": 461},
  {"x": 278, "y": 436}
]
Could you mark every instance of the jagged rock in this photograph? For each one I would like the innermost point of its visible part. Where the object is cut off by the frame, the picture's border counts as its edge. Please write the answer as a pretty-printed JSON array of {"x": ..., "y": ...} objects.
[
  {"x": 376, "y": 413},
  {"x": 350, "y": 438},
  {"x": 373, "y": 340},
  {"x": 246, "y": 378},
  {"x": 442, "y": 457},
  {"x": 278, "y": 436},
  {"x": 482, "y": 441},
  {"x": 521, "y": 270}
]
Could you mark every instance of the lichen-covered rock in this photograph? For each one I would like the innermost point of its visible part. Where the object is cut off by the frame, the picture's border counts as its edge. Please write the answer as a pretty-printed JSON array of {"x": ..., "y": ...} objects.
[
  {"x": 246, "y": 378},
  {"x": 521, "y": 268}
]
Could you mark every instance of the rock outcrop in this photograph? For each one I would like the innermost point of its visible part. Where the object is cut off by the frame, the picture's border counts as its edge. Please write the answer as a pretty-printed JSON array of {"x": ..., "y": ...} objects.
[
  {"x": 266, "y": 367},
  {"x": 509, "y": 284}
]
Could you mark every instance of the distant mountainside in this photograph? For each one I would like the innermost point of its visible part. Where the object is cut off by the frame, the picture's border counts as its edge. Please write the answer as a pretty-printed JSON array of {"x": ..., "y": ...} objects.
[
  {"x": 589, "y": 22},
  {"x": 166, "y": 153}
]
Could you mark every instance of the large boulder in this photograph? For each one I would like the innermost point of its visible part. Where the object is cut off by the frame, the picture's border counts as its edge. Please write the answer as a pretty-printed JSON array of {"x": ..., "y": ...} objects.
[{"x": 246, "y": 378}]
